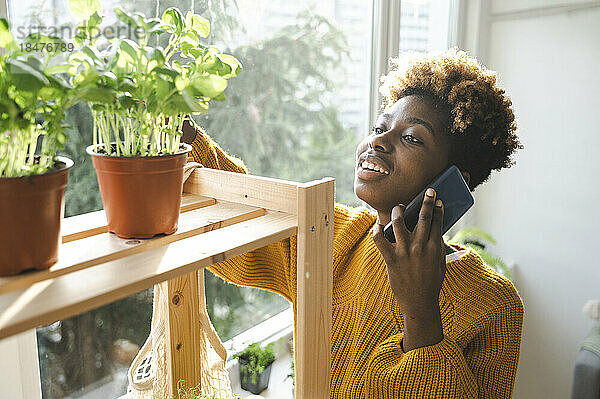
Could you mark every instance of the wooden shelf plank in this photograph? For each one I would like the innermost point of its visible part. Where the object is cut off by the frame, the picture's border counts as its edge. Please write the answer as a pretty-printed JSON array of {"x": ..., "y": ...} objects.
[
  {"x": 264, "y": 192},
  {"x": 55, "y": 299},
  {"x": 81, "y": 226},
  {"x": 99, "y": 248}
]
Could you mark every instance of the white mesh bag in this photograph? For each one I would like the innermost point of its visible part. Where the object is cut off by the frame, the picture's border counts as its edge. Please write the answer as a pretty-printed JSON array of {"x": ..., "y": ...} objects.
[{"x": 147, "y": 374}]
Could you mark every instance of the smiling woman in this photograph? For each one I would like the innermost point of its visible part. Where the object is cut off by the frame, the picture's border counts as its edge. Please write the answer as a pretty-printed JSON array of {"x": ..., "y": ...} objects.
[{"x": 417, "y": 318}]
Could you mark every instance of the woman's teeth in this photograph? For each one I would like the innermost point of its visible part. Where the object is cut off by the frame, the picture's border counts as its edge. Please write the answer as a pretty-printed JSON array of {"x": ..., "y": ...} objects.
[{"x": 369, "y": 165}]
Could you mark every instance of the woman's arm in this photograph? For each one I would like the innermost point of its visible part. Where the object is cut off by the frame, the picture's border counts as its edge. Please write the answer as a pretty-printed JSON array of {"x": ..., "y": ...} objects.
[
  {"x": 273, "y": 267},
  {"x": 485, "y": 369},
  {"x": 269, "y": 267}
]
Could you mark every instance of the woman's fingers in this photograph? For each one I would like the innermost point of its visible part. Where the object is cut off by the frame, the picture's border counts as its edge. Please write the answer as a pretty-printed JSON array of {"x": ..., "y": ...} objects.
[
  {"x": 423, "y": 227},
  {"x": 384, "y": 246},
  {"x": 401, "y": 232},
  {"x": 437, "y": 222}
]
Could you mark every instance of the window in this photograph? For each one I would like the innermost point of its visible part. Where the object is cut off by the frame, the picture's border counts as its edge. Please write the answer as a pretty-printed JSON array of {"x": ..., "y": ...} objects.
[{"x": 296, "y": 112}]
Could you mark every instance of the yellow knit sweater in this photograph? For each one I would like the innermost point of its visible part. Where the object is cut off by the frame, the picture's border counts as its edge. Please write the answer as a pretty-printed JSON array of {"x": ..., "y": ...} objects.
[{"x": 481, "y": 312}]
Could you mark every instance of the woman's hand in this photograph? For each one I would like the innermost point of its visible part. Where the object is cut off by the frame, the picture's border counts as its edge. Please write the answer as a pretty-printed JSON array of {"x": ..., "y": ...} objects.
[{"x": 415, "y": 265}]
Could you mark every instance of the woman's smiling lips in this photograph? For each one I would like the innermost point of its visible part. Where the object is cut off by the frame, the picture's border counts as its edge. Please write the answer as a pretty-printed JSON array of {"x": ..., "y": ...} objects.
[
  {"x": 366, "y": 174},
  {"x": 371, "y": 162}
]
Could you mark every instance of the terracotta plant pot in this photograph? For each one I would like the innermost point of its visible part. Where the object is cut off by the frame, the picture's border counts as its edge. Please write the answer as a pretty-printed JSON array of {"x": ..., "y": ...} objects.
[
  {"x": 31, "y": 209},
  {"x": 141, "y": 195}
]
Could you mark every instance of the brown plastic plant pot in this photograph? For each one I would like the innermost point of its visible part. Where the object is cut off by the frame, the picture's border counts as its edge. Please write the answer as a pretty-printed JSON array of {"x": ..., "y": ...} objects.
[
  {"x": 31, "y": 209},
  {"x": 141, "y": 195}
]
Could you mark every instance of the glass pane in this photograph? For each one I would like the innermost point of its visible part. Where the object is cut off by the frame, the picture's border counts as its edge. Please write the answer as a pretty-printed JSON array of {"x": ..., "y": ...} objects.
[
  {"x": 296, "y": 112},
  {"x": 424, "y": 25}
]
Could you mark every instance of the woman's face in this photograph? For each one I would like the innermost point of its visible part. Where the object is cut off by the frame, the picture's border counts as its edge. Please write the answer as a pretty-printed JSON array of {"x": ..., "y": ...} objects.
[{"x": 411, "y": 144}]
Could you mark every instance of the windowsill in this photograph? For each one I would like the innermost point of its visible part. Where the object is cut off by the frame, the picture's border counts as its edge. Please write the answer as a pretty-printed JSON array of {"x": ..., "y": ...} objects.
[
  {"x": 270, "y": 330},
  {"x": 279, "y": 329}
]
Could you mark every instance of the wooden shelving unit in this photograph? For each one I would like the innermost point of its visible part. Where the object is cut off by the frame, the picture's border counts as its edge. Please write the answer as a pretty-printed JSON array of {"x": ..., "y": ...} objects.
[{"x": 223, "y": 214}]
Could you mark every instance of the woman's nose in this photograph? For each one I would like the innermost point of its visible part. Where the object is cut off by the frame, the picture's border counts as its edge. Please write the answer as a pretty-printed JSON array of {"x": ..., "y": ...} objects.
[{"x": 378, "y": 142}]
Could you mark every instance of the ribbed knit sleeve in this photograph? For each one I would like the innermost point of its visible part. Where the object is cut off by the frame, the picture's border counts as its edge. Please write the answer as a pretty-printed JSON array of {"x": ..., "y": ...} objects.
[
  {"x": 269, "y": 267},
  {"x": 480, "y": 363},
  {"x": 211, "y": 155}
]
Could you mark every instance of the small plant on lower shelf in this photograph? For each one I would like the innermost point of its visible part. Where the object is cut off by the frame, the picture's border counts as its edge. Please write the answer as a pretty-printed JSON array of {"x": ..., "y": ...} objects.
[{"x": 255, "y": 367}]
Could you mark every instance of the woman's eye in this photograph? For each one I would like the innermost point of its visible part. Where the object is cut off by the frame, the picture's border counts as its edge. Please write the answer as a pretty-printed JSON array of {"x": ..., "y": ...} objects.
[{"x": 410, "y": 138}]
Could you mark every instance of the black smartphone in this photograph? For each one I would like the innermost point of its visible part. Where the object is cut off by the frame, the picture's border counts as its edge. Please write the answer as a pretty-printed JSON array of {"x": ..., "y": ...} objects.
[{"x": 452, "y": 189}]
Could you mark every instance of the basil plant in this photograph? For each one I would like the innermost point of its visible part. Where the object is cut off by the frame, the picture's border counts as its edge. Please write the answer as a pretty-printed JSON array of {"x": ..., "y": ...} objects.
[
  {"x": 33, "y": 100},
  {"x": 139, "y": 92}
]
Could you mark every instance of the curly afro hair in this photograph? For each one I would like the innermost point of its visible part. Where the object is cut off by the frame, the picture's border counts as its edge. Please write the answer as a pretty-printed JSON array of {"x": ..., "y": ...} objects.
[{"x": 481, "y": 122}]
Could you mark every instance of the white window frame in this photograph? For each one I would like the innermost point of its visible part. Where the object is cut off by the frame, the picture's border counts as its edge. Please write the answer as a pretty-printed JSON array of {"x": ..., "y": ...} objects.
[{"x": 21, "y": 365}]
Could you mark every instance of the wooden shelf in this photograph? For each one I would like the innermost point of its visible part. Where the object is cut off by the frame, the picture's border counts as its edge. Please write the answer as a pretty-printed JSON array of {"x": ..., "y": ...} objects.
[{"x": 223, "y": 214}]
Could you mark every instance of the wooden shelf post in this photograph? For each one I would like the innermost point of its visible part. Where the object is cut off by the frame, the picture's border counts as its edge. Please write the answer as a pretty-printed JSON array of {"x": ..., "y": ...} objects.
[{"x": 314, "y": 288}]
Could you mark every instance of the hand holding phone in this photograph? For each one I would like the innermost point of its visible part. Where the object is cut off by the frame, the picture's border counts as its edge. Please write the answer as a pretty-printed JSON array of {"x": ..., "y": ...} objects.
[{"x": 452, "y": 189}]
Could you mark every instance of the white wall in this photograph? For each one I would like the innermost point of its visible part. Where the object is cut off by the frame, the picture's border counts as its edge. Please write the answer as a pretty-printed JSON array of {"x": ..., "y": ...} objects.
[{"x": 545, "y": 210}]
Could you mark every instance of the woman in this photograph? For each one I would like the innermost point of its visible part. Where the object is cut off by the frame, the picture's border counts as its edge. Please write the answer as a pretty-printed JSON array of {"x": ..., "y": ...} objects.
[{"x": 417, "y": 318}]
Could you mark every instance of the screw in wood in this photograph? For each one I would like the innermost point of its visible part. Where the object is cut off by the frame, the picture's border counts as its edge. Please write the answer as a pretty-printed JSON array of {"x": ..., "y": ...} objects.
[
  {"x": 132, "y": 242},
  {"x": 178, "y": 346},
  {"x": 312, "y": 228},
  {"x": 176, "y": 299}
]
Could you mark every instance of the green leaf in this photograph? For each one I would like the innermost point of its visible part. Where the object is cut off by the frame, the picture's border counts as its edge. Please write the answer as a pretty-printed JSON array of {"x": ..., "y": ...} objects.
[
  {"x": 58, "y": 68},
  {"x": 220, "y": 97},
  {"x": 95, "y": 20},
  {"x": 98, "y": 95},
  {"x": 80, "y": 37},
  {"x": 126, "y": 84},
  {"x": 129, "y": 50},
  {"x": 195, "y": 105},
  {"x": 162, "y": 88},
  {"x": 181, "y": 83},
  {"x": 92, "y": 52},
  {"x": 6, "y": 38},
  {"x": 58, "y": 81},
  {"x": 172, "y": 16},
  {"x": 234, "y": 64},
  {"x": 48, "y": 93},
  {"x": 84, "y": 9},
  {"x": 154, "y": 54},
  {"x": 126, "y": 18},
  {"x": 126, "y": 101},
  {"x": 198, "y": 51},
  {"x": 191, "y": 38},
  {"x": 166, "y": 71},
  {"x": 198, "y": 24},
  {"x": 210, "y": 86},
  {"x": 25, "y": 76}
]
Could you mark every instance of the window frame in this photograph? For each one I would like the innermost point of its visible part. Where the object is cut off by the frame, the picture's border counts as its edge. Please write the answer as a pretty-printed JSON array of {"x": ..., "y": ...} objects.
[{"x": 22, "y": 349}]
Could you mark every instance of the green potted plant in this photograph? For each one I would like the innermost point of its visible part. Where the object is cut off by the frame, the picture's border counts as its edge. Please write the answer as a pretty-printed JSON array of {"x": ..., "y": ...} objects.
[
  {"x": 255, "y": 367},
  {"x": 33, "y": 100},
  {"x": 474, "y": 237},
  {"x": 140, "y": 94}
]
